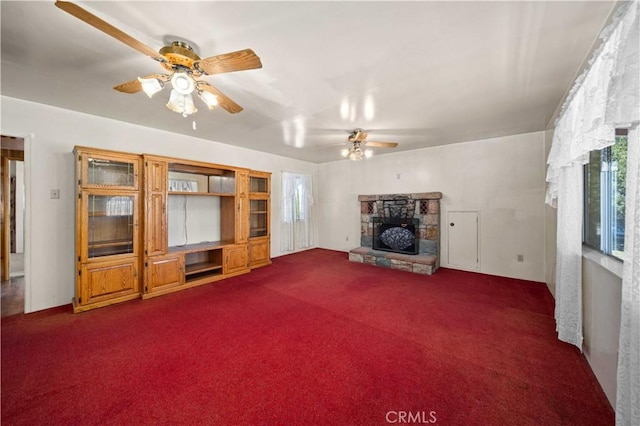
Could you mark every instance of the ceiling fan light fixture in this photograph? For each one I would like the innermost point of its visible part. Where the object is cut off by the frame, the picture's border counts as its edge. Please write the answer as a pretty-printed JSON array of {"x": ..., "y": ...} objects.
[
  {"x": 356, "y": 153},
  {"x": 150, "y": 86},
  {"x": 368, "y": 153},
  {"x": 182, "y": 104},
  {"x": 208, "y": 98},
  {"x": 182, "y": 83}
]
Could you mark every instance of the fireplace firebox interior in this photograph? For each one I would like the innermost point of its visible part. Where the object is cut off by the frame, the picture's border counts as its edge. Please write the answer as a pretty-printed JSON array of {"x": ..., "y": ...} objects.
[{"x": 396, "y": 235}]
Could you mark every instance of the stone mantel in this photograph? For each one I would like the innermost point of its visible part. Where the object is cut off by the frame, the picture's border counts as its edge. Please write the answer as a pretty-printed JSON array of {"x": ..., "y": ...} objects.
[{"x": 416, "y": 196}]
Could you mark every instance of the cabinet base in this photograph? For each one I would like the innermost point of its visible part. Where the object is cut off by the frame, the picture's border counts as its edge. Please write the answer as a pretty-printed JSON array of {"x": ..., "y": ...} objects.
[
  {"x": 194, "y": 283},
  {"x": 261, "y": 264},
  {"x": 89, "y": 306}
]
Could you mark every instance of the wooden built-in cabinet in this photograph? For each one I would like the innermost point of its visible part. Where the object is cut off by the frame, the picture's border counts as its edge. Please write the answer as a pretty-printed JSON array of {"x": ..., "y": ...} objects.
[
  {"x": 259, "y": 219},
  {"x": 135, "y": 229},
  {"x": 107, "y": 228}
]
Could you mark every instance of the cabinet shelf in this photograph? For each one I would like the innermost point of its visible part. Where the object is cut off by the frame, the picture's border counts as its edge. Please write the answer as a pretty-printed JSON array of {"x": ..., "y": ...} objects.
[
  {"x": 197, "y": 247},
  {"x": 93, "y": 214},
  {"x": 209, "y": 194},
  {"x": 110, "y": 243},
  {"x": 195, "y": 268},
  {"x": 259, "y": 212},
  {"x": 261, "y": 232}
]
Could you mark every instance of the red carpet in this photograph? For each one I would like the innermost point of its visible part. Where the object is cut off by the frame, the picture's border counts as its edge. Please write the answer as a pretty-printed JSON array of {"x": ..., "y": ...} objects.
[{"x": 313, "y": 339}]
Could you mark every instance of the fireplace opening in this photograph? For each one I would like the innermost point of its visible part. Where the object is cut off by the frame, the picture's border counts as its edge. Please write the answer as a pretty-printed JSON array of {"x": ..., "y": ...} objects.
[{"x": 396, "y": 235}]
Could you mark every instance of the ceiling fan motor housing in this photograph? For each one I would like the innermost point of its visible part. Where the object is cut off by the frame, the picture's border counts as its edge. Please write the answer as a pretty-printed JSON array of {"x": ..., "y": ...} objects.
[{"x": 179, "y": 55}]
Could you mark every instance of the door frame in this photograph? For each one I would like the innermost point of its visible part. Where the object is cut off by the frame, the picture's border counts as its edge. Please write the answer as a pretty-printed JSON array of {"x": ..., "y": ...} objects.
[
  {"x": 26, "y": 158},
  {"x": 7, "y": 156}
]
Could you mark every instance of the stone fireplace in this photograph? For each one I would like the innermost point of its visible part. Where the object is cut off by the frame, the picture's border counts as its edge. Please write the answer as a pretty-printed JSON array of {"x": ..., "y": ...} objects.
[{"x": 400, "y": 231}]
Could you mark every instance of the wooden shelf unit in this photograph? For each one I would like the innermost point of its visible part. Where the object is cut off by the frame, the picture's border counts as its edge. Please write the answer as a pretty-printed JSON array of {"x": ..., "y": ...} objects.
[
  {"x": 199, "y": 263},
  {"x": 107, "y": 228},
  {"x": 122, "y": 225}
]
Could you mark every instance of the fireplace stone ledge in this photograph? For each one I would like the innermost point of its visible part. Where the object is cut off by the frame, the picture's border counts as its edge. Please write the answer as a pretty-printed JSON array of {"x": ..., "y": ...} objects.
[{"x": 419, "y": 263}]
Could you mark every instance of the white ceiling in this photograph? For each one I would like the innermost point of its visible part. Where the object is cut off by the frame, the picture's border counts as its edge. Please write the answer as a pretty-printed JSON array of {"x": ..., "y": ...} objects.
[{"x": 418, "y": 73}]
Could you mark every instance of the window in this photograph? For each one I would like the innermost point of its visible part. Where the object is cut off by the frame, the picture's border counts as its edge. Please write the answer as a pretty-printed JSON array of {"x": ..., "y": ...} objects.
[
  {"x": 604, "y": 197},
  {"x": 296, "y": 192},
  {"x": 297, "y": 200}
]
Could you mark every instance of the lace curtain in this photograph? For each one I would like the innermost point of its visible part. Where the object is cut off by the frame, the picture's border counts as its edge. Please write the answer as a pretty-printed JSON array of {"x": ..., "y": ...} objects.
[
  {"x": 605, "y": 97},
  {"x": 297, "y": 199},
  {"x": 628, "y": 386}
]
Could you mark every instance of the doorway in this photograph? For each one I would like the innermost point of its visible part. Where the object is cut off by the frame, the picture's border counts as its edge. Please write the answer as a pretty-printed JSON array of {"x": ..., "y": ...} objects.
[{"x": 12, "y": 226}]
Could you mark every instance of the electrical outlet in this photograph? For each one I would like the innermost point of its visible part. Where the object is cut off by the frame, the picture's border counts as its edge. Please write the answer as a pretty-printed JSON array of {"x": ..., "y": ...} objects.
[
  {"x": 347, "y": 238},
  {"x": 54, "y": 194},
  {"x": 521, "y": 258}
]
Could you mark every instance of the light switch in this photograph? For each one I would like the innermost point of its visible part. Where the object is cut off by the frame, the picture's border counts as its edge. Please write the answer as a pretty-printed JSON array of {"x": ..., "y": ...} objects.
[{"x": 55, "y": 194}]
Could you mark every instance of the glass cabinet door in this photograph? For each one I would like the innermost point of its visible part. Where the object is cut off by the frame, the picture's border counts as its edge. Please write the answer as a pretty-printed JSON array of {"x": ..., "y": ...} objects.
[
  {"x": 258, "y": 217},
  {"x": 101, "y": 170},
  {"x": 111, "y": 225},
  {"x": 258, "y": 185},
  {"x": 110, "y": 172}
]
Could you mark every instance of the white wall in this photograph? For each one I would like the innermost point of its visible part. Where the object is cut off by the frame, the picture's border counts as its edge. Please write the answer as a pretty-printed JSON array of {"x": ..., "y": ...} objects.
[
  {"x": 601, "y": 300},
  {"x": 19, "y": 206},
  {"x": 51, "y": 135},
  {"x": 502, "y": 178}
]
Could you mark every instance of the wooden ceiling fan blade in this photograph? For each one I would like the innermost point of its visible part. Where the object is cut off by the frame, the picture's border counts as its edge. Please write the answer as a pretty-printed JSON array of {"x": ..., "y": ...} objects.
[
  {"x": 382, "y": 144},
  {"x": 108, "y": 29},
  {"x": 134, "y": 86},
  {"x": 228, "y": 62},
  {"x": 357, "y": 136},
  {"x": 223, "y": 100}
]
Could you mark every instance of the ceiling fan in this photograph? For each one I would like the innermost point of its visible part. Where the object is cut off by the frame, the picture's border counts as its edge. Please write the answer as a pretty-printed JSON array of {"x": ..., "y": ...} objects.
[
  {"x": 358, "y": 140},
  {"x": 183, "y": 65}
]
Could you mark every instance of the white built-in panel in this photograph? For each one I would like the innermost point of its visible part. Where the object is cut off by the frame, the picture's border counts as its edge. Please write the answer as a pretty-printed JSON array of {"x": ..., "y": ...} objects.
[{"x": 193, "y": 219}]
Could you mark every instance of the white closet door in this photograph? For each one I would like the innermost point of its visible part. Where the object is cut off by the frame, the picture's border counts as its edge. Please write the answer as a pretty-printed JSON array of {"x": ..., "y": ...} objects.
[{"x": 462, "y": 237}]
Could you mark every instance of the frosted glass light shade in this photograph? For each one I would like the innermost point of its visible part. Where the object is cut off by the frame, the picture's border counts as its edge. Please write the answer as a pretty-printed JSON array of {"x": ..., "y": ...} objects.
[
  {"x": 150, "y": 86},
  {"x": 356, "y": 154},
  {"x": 182, "y": 83},
  {"x": 182, "y": 104},
  {"x": 209, "y": 98},
  {"x": 189, "y": 106}
]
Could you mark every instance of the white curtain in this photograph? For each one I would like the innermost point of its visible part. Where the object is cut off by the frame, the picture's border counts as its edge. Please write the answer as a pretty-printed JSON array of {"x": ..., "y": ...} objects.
[
  {"x": 605, "y": 97},
  {"x": 628, "y": 386},
  {"x": 296, "y": 230},
  {"x": 568, "y": 313}
]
